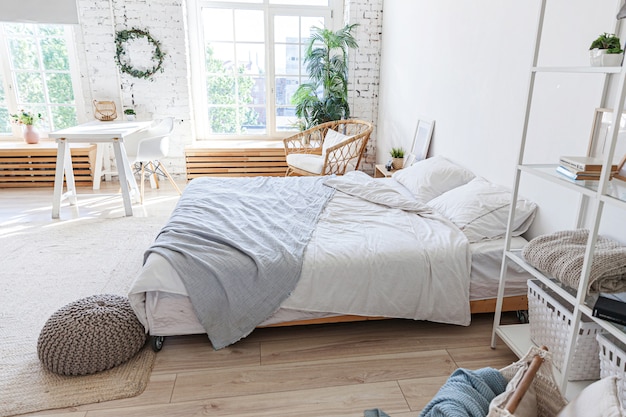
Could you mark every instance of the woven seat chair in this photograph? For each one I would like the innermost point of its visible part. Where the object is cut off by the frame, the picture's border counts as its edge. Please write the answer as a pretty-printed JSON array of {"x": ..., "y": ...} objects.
[{"x": 307, "y": 155}]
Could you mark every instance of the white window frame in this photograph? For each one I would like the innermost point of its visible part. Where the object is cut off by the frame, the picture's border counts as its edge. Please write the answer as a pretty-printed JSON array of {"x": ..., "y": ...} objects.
[
  {"x": 9, "y": 81},
  {"x": 332, "y": 13}
]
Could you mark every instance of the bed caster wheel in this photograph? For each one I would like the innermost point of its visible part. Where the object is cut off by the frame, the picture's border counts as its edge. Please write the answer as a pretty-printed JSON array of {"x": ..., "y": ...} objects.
[
  {"x": 522, "y": 316},
  {"x": 156, "y": 342}
]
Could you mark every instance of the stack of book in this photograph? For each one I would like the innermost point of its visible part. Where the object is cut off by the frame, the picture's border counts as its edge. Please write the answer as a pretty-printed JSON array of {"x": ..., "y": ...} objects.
[{"x": 582, "y": 168}]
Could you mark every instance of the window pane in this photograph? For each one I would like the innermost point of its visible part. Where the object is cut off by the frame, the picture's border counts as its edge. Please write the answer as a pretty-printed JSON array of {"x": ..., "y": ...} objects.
[
  {"x": 19, "y": 29},
  {"x": 307, "y": 24},
  {"x": 54, "y": 54},
  {"x": 285, "y": 88},
  {"x": 286, "y": 29},
  {"x": 253, "y": 121},
  {"x": 64, "y": 116},
  {"x": 249, "y": 26},
  {"x": 251, "y": 58},
  {"x": 220, "y": 58},
  {"x": 256, "y": 93},
  {"x": 217, "y": 24},
  {"x": 286, "y": 119},
  {"x": 60, "y": 88},
  {"x": 24, "y": 54},
  {"x": 221, "y": 90},
  {"x": 288, "y": 60},
  {"x": 51, "y": 30},
  {"x": 29, "y": 87}
]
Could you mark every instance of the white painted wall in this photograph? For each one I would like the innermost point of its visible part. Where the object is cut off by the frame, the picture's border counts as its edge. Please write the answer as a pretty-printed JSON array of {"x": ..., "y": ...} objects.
[{"x": 466, "y": 65}]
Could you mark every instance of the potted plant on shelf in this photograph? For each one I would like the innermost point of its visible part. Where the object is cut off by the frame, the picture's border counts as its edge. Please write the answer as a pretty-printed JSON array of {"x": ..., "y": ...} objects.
[
  {"x": 397, "y": 158},
  {"x": 606, "y": 51},
  {"x": 325, "y": 97},
  {"x": 130, "y": 114},
  {"x": 28, "y": 121}
]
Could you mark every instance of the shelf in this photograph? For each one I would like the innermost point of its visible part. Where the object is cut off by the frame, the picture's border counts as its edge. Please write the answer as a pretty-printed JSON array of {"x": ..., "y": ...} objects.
[
  {"x": 517, "y": 338},
  {"x": 579, "y": 70},
  {"x": 616, "y": 194},
  {"x": 568, "y": 294}
]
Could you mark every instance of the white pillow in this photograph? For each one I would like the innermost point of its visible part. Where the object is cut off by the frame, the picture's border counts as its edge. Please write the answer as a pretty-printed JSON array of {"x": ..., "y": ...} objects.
[
  {"x": 332, "y": 138},
  {"x": 599, "y": 399},
  {"x": 481, "y": 210},
  {"x": 429, "y": 178}
]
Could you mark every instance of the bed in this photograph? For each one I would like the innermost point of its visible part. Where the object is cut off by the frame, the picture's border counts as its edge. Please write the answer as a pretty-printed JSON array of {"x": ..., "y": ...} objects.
[{"x": 425, "y": 244}]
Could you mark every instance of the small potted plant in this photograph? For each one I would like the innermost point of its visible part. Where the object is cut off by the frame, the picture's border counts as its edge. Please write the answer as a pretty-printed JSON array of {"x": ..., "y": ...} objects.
[
  {"x": 28, "y": 120},
  {"x": 397, "y": 158},
  {"x": 606, "y": 51},
  {"x": 130, "y": 114}
]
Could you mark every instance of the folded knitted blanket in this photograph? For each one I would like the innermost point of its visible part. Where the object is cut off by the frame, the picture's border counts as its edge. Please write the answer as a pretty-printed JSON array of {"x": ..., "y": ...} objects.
[
  {"x": 466, "y": 394},
  {"x": 560, "y": 255}
]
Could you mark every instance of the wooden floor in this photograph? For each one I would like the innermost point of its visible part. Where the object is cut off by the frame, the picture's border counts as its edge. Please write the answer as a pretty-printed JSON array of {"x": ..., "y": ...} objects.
[{"x": 322, "y": 370}]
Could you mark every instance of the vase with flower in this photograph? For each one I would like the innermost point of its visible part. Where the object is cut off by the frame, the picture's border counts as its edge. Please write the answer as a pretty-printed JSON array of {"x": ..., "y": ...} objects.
[{"x": 28, "y": 120}]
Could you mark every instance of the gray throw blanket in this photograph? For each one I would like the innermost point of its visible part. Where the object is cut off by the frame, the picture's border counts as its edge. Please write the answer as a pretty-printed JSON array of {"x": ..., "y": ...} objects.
[
  {"x": 561, "y": 255},
  {"x": 238, "y": 245}
]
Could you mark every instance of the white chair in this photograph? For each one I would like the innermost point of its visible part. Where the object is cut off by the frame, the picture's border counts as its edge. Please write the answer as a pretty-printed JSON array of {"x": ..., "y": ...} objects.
[{"x": 146, "y": 148}]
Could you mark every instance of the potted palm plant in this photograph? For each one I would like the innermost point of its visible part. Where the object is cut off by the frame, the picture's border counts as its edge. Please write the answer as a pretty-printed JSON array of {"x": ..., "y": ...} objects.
[
  {"x": 606, "y": 51},
  {"x": 325, "y": 97}
]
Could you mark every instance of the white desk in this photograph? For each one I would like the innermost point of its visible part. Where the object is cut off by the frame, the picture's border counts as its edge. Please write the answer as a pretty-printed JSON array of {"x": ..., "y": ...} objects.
[{"x": 94, "y": 132}]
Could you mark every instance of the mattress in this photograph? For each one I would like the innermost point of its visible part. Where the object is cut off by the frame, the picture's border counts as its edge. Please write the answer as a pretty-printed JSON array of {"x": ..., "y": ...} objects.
[{"x": 164, "y": 308}]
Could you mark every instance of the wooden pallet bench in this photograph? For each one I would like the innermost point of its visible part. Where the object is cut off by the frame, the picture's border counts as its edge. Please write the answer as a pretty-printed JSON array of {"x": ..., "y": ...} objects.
[
  {"x": 234, "y": 162},
  {"x": 23, "y": 165}
]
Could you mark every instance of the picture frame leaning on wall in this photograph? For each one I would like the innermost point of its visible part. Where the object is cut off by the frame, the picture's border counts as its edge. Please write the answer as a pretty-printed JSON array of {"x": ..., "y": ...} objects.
[
  {"x": 421, "y": 141},
  {"x": 598, "y": 141}
]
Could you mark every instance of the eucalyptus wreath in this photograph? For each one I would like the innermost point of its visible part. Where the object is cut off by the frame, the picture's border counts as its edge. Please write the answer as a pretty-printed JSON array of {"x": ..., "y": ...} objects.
[{"x": 124, "y": 36}]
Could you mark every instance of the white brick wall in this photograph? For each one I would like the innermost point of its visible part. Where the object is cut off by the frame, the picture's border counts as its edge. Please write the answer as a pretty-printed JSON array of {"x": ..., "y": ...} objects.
[
  {"x": 365, "y": 65},
  {"x": 169, "y": 93}
]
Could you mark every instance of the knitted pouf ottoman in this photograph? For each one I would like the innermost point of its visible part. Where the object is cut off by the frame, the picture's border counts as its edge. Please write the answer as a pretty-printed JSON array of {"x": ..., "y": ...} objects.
[{"x": 90, "y": 335}]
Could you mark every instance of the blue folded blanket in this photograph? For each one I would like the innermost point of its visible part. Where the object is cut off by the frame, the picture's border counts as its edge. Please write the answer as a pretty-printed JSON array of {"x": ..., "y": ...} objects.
[{"x": 466, "y": 394}]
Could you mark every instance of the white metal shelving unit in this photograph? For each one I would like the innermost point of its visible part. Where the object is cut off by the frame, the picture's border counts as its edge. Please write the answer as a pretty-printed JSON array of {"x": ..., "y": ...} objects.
[{"x": 596, "y": 195}]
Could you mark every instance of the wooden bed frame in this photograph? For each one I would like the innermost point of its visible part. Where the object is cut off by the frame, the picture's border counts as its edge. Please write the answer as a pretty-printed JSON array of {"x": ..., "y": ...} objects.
[{"x": 515, "y": 303}]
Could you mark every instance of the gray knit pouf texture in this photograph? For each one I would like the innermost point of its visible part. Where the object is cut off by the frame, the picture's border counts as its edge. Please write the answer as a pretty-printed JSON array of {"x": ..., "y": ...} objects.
[{"x": 90, "y": 335}]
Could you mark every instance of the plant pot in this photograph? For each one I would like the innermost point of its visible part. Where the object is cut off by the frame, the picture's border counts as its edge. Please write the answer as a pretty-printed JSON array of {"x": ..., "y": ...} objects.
[
  {"x": 130, "y": 117},
  {"x": 31, "y": 135},
  {"x": 599, "y": 58},
  {"x": 397, "y": 163}
]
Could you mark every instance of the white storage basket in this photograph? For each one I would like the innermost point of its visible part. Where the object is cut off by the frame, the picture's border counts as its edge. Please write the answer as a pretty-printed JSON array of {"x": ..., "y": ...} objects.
[
  {"x": 550, "y": 323},
  {"x": 613, "y": 361}
]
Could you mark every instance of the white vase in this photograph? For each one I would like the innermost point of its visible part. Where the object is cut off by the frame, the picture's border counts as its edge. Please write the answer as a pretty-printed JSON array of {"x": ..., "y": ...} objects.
[
  {"x": 599, "y": 58},
  {"x": 130, "y": 117}
]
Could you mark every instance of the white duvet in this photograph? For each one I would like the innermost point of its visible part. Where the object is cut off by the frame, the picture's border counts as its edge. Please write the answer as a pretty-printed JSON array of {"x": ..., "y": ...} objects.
[{"x": 365, "y": 259}]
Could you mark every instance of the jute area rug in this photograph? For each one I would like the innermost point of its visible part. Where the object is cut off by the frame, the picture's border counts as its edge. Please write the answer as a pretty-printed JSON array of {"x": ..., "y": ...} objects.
[{"x": 46, "y": 266}]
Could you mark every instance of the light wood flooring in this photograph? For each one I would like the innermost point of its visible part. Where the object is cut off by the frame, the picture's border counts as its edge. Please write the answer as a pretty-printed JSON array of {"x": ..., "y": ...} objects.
[{"x": 321, "y": 370}]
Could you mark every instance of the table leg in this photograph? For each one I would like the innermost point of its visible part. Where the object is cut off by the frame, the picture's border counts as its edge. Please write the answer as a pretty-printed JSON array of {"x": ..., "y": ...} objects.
[
  {"x": 130, "y": 176},
  {"x": 63, "y": 169},
  {"x": 97, "y": 173},
  {"x": 122, "y": 169},
  {"x": 58, "y": 178},
  {"x": 69, "y": 176}
]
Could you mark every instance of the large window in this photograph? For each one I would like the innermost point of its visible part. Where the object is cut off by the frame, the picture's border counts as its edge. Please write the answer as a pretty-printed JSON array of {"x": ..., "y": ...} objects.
[
  {"x": 36, "y": 75},
  {"x": 247, "y": 61}
]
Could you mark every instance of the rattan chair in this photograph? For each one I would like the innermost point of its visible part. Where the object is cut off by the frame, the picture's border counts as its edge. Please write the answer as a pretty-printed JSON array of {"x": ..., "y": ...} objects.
[{"x": 307, "y": 155}]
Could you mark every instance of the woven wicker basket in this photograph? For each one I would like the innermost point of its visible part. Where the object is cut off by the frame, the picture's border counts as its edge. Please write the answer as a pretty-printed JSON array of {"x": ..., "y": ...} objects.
[
  {"x": 613, "y": 361},
  {"x": 550, "y": 324}
]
